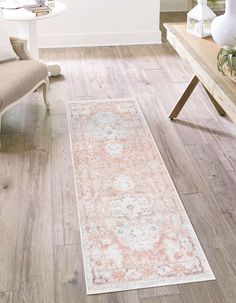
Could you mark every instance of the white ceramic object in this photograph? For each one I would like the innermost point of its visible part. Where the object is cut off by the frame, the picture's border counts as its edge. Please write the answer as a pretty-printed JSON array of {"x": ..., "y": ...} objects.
[
  {"x": 224, "y": 27},
  {"x": 199, "y": 20},
  {"x": 54, "y": 69}
]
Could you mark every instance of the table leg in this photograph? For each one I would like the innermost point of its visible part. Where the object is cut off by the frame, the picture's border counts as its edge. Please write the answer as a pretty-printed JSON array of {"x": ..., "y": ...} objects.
[
  {"x": 28, "y": 30},
  {"x": 217, "y": 106},
  {"x": 184, "y": 98}
]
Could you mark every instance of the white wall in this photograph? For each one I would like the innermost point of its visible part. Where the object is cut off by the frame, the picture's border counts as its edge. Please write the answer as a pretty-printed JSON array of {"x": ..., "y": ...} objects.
[{"x": 103, "y": 22}]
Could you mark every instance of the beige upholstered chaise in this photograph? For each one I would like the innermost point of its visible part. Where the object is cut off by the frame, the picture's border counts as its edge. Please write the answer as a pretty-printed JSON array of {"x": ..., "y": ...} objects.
[{"x": 18, "y": 78}]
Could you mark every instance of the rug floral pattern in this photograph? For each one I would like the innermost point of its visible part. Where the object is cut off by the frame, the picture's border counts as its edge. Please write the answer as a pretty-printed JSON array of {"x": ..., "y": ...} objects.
[{"x": 135, "y": 232}]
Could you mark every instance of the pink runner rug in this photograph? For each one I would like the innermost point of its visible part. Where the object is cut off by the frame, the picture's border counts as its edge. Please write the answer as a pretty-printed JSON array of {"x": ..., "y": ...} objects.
[{"x": 135, "y": 232}]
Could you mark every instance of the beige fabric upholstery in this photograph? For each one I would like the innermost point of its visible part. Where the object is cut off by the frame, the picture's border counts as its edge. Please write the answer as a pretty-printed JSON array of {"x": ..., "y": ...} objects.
[
  {"x": 20, "y": 48},
  {"x": 18, "y": 78}
]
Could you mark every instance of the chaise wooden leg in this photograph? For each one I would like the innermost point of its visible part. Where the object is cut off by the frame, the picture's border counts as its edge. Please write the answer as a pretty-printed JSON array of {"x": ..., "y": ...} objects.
[
  {"x": 45, "y": 93},
  {"x": 217, "y": 106},
  {"x": 184, "y": 98}
]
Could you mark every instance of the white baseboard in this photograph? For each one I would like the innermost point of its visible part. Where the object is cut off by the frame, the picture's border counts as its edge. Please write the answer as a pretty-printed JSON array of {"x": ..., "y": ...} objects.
[
  {"x": 105, "y": 39},
  {"x": 174, "y": 5}
]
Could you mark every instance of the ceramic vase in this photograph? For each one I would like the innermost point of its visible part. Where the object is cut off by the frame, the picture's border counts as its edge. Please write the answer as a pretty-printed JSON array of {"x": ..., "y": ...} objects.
[{"x": 224, "y": 27}]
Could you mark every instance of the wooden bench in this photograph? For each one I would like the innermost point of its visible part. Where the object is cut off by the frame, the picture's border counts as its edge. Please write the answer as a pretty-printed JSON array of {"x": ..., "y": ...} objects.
[{"x": 201, "y": 56}]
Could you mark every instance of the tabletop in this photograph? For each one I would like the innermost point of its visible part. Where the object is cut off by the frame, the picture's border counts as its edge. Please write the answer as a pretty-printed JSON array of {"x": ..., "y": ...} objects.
[{"x": 24, "y": 15}]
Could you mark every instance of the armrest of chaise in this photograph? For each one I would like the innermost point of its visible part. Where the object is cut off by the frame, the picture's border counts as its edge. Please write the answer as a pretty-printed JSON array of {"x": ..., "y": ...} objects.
[{"x": 20, "y": 48}]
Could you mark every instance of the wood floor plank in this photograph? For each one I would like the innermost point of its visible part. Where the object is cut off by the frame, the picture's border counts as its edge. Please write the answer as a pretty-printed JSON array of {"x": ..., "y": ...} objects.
[
  {"x": 142, "y": 57},
  {"x": 69, "y": 275},
  {"x": 34, "y": 272},
  {"x": 212, "y": 228},
  {"x": 65, "y": 213},
  {"x": 158, "y": 292},
  {"x": 131, "y": 296},
  {"x": 135, "y": 77},
  {"x": 113, "y": 298},
  {"x": 164, "y": 299},
  {"x": 231, "y": 253},
  {"x": 171, "y": 299},
  {"x": 167, "y": 93},
  {"x": 13, "y": 120},
  {"x": 224, "y": 269},
  {"x": 169, "y": 144},
  {"x": 219, "y": 182},
  {"x": 78, "y": 63},
  {"x": 102, "y": 74},
  {"x": 115, "y": 83},
  {"x": 5, "y": 297},
  {"x": 215, "y": 236},
  {"x": 11, "y": 158},
  {"x": 201, "y": 292},
  {"x": 171, "y": 63}
]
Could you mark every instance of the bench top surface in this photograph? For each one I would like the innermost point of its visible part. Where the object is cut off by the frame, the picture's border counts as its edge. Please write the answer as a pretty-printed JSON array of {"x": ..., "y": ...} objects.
[{"x": 201, "y": 55}]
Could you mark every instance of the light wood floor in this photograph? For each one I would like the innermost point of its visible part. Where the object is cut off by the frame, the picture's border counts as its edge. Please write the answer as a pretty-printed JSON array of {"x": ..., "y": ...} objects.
[{"x": 40, "y": 252}]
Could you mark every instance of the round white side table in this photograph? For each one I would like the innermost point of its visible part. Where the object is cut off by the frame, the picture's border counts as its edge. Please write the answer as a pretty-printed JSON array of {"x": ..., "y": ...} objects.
[{"x": 28, "y": 29}]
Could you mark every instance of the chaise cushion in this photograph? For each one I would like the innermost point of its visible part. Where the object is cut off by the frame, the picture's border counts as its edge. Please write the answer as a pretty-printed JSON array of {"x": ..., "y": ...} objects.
[
  {"x": 18, "y": 78},
  {"x": 20, "y": 48}
]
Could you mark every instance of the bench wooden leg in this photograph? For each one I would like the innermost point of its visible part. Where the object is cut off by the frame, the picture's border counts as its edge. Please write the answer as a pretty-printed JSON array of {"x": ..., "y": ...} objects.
[
  {"x": 217, "y": 106},
  {"x": 184, "y": 98}
]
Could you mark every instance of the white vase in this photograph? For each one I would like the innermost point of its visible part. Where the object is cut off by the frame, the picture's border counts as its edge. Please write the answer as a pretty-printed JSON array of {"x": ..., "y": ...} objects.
[{"x": 224, "y": 27}]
